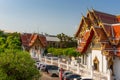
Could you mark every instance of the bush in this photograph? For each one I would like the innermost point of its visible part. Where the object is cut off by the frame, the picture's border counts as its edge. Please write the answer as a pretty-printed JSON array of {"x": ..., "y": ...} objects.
[
  {"x": 69, "y": 52},
  {"x": 17, "y": 65}
]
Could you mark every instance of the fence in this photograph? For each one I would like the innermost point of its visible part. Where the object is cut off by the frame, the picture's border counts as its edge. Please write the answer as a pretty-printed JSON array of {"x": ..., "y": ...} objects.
[{"x": 78, "y": 69}]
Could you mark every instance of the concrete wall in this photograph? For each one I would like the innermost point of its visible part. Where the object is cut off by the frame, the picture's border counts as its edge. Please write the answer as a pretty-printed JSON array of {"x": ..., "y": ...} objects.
[
  {"x": 102, "y": 60},
  {"x": 89, "y": 61},
  {"x": 116, "y": 68}
]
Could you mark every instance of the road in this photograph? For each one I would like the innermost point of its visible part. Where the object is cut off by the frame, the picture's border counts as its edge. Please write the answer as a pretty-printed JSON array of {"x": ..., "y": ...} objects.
[{"x": 45, "y": 76}]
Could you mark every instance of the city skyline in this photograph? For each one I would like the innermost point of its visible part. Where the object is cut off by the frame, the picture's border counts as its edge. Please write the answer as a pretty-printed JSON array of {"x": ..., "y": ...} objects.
[{"x": 49, "y": 16}]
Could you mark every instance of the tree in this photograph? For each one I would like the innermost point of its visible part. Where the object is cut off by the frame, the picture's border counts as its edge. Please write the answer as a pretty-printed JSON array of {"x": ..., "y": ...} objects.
[
  {"x": 17, "y": 66},
  {"x": 66, "y": 41},
  {"x": 13, "y": 41},
  {"x": 2, "y": 44}
]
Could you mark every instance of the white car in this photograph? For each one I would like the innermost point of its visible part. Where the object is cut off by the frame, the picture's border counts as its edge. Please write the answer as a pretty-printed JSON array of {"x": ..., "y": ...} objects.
[
  {"x": 86, "y": 78},
  {"x": 39, "y": 64}
]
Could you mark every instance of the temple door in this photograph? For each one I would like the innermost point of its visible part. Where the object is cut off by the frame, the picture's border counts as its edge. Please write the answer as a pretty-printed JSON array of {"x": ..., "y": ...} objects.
[{"x": 96, "y": 64}]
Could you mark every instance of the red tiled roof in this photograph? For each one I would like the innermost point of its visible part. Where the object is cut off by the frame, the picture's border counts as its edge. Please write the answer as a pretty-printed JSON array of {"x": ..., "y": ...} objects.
[
  {"x": 87, "y": 39},
  {"x": 101, "y": 34},
  {"x": 33, "y": 39},
  {"x": 106, "y": 18},
  {"x": 86, "y": 35},
  {"x": 42, "y": 39},
  {"x": 29, "y": 39},
  {"x": 25, "y": 38},
  {"x": 108, "y": 31}
]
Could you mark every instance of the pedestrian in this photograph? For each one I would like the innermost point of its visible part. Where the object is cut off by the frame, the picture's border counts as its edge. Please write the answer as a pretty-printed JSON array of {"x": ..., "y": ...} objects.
[{"x": 61, "y": 72}]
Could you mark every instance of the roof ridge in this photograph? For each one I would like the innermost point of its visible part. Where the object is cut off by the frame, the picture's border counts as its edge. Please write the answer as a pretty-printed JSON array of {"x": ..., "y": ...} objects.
[
  {"x": 93, "y": 10},
  {"x": 111, "y": 24}
]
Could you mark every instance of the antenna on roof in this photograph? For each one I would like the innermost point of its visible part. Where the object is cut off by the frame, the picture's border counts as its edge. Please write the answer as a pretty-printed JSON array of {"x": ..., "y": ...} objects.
[
  {"x": 88, "y": 10},
  {"x": 38, "y": 30},
  {"x": 82, "y": 14},
  {"x": 92, "y": 8}
]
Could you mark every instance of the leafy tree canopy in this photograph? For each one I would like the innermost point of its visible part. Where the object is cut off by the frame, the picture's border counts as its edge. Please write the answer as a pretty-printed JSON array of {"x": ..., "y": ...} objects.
[
  {"x": 17, "y": 65},
  {"x": 66, "y": 41},
  {"x": 9, "y": 41}
]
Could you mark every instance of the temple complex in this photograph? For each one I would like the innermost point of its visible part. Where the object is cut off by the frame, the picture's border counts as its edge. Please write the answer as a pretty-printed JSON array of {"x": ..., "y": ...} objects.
[{"x": 98, "y": 38}]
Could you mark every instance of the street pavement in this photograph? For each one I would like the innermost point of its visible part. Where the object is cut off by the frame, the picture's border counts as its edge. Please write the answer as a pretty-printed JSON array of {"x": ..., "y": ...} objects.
[{"x": 45, "y": 76}]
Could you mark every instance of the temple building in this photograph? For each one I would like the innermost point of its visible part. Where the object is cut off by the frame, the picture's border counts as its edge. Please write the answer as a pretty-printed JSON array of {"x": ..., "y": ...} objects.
[
  {"x": 34, "y": 43},
  {"x": 98, "y": 37}
]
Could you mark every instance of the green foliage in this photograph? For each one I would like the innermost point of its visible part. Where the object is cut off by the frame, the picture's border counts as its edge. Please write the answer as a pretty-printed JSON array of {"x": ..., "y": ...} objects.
[
  {"x": 55, "y": 51},
  {"x": 9, "y": 41},
  {"x": 17, "y": 65},
  {"x": 69, "y": 52},
  {"x": 13, "y": 41}
]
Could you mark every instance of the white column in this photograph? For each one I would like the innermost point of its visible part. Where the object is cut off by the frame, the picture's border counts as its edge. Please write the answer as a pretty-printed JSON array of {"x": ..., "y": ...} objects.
[
  {"x": 81, "y": 59},
  {"x": 45, "y": 60},
  {"x": 67, "y": 65},
  {"x": 92, "y": 69},
  {"x": 51, "y": 60},
  {"x": 40, "y": 57},
  {"x": 58, "y": 62},
  {"x": 109, "y": 73},
  {"x": 78, "y": 68}
]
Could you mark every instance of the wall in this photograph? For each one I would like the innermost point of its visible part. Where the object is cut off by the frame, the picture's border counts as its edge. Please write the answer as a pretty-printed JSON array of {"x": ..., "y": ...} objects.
[
  {"x": 89, "y": 61},
  {"x": 117, "y": 68},
  {"x": 102, "y": 60}
]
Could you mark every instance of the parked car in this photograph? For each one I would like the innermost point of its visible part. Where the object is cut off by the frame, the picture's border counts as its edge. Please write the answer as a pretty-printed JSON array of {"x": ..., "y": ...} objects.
[
  {"x": 72, "y": 77},
  {"x": 65, "y": 73},
  {"x": 43, "y": 67},
  {"x": 53, "y": 58},
  {"x": 86, "y": 78},
  {"x": 53, "y": 70},
  {"x": 38, "y": 64}
]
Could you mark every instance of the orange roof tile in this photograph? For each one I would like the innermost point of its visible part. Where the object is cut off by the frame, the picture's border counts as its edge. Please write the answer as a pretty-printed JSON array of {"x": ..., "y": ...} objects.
[
  {"x": 87, "y": 39},
  {"x": 33, "y": 39},
  {"x": 86, "y": 35},
  {"x": 118, "y": 54},
  {"x": 116, "y": 31},
  {"x": 42, "y": 39}
]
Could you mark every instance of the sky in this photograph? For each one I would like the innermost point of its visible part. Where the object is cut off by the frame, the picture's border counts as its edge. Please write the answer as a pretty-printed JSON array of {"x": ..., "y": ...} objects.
[{"x": 50, "y": 16}]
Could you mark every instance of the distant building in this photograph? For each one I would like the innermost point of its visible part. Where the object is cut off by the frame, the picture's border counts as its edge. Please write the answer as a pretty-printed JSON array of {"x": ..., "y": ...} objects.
[
  {"x": 34, "y": 43},
  {"x": 99, "y": 42},
  {"x": 52, "y": 41}
]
